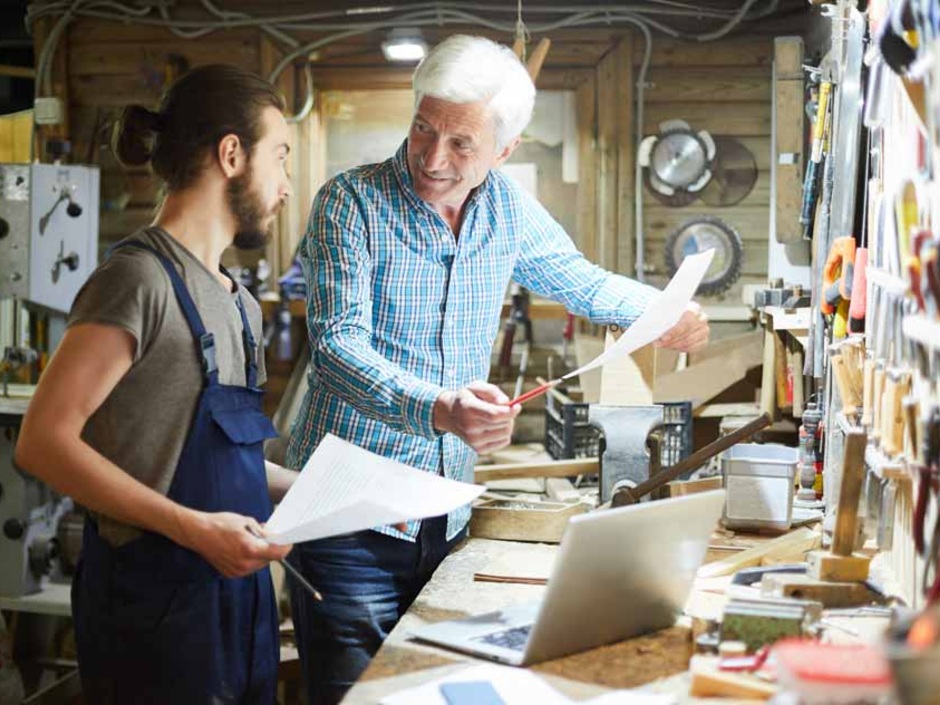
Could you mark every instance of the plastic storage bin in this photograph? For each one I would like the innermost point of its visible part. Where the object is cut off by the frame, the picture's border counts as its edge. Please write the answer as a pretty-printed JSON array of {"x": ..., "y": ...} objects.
[
  {"x": 569, "y": 434},
  {"x": 759, "y": 480}
]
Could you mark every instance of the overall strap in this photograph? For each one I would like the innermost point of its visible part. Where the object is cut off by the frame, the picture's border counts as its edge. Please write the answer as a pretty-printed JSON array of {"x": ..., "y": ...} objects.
[
  {"x": 248, "y": 340},
  {"x": 205, "y": 342},
  {"x": 251, "y": 348}
]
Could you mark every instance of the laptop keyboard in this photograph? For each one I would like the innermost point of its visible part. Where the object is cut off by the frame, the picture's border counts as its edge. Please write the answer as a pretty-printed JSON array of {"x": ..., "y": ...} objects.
[{"x": 514, "y": 639}]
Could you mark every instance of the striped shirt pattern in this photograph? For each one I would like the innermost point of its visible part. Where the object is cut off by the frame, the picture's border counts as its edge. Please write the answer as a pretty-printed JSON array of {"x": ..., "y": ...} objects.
[{"x": 398, "y": 309}]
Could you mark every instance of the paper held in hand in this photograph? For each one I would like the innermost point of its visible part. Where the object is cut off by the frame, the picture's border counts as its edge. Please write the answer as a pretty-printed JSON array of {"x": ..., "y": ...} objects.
[
  {"x": 345, "y": 488},
  {"x": 663, "y": 312}
]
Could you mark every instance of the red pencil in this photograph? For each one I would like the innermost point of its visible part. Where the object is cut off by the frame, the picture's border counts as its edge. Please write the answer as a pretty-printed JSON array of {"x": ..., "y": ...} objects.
[{"x": 532, "y": 393}]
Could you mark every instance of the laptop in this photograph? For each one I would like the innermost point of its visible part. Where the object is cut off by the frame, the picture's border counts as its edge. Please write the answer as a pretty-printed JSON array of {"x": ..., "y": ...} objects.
[{"x": 618, "y": 573}]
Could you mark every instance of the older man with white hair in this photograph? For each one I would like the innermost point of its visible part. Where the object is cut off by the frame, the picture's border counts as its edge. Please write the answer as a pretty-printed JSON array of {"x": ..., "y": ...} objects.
[{"x": 407, "y": 263}]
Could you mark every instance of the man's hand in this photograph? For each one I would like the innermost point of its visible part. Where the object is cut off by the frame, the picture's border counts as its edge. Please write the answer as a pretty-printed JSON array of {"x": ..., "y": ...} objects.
[
  {"x": 689, "y": 334},
  {"x": 224, "y": 539},
  {"x": 478, "y": 414}
]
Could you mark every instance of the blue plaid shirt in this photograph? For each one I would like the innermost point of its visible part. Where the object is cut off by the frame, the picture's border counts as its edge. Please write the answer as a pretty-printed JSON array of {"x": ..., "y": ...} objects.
[{"x": 398, "y": 309}]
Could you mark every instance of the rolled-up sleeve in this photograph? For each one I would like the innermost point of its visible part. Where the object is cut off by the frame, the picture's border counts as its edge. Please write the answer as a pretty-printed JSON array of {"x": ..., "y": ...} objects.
[{"x": 337, "y": 265}]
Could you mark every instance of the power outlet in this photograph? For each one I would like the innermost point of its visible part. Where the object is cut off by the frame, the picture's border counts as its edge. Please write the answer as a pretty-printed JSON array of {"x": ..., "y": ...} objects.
[{"x": 48, "y": 111}]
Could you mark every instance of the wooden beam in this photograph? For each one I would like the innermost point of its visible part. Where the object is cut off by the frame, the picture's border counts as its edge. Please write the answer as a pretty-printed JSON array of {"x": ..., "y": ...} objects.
[
  {"x": 792, "y": 545},
  {"x": 740, "y": 120},
  {"x": 709, "y": 84},
  {"x": 625, "y": 258},
  {"x": 608, "y": 139},
  {"x": 17, "y": 71},
  {"x": 557, "y": 468},
  {"x": 587, "y": 168},
  {"x": 789, "y": 138}
]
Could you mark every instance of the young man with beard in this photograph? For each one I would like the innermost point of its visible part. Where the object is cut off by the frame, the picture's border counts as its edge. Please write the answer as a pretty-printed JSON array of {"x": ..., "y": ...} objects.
[{"x": 149, "y": 413}]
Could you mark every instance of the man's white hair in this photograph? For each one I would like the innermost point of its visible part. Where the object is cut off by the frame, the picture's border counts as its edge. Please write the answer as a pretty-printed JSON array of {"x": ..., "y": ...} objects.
[{"x": 464, "y": 69}]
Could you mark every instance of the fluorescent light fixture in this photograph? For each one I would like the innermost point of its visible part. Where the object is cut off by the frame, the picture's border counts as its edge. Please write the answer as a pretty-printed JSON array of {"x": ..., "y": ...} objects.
[{"x": 404, "y": 44}]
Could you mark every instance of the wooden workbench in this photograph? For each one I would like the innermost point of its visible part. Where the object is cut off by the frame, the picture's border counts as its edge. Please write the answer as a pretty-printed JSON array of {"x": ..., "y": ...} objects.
[{"x": 452, "y": 593}]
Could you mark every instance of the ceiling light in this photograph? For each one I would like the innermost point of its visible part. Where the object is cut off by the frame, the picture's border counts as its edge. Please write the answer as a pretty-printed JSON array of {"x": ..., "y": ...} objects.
[{"x": 404, "y": 44}]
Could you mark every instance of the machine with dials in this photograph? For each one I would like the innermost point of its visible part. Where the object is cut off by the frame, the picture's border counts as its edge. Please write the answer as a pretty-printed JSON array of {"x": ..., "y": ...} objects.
[{"x": 48, "y": 248}]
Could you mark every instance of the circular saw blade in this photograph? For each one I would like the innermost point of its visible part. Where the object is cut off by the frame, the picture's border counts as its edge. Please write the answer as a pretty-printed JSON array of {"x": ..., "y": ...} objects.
[{"x": 734, "y": 173}]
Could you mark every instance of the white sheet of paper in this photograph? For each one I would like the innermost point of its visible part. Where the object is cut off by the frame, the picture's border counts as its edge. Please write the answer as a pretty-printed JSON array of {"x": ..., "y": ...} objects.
[
  {"x": 345, "y": 488},
  {"x": 515, "y": 686},
  {"x": 663, "y": 312}
]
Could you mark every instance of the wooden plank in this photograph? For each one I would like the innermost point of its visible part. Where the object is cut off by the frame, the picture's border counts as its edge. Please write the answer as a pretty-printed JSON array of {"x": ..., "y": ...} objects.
[
  {"x": 562, "y": 54},
  {"x": 728, "y": 52},
  {"x": 113, "y": 91},
  {"x": 16, "y": 130},
  {"x": 794, "y": 544},
  {"x": 142, "y": 57},
  {"x": 586, "y": 236},
  {"x": 740, "y": 84},
  {"x": 788, "y": 58},
  {"x": 850, "y": 490},
  {"x": 789, "y": 138},
  {"x": 17, "y": 71},
  {"x": 625, "y": 257},
  {"x": 556, "y": 468},
  {"x": 706, "y": 379},
  {"x": 743, "y": 119},
  {"x": 608, "y": 139}
]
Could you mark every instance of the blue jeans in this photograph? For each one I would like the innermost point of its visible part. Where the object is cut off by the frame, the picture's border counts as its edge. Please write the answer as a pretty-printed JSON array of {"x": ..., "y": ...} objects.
[{"x": 368, "y": 581}]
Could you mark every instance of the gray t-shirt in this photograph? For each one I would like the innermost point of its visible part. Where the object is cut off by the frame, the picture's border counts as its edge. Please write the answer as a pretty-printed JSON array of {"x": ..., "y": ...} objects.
[{"x": 142, "y": 425}]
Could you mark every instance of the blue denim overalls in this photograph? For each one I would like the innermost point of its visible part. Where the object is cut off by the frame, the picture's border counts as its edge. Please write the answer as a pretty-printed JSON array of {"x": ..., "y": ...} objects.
[{"x": 155, "y": 622}]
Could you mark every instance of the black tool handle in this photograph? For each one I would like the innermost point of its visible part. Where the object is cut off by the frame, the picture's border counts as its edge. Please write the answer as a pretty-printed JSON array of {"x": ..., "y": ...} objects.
[{"x": 629, "y": 495}]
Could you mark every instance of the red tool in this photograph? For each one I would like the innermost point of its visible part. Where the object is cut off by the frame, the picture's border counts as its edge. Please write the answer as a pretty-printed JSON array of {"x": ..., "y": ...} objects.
[
  {"x": 533, "y": 393},
  {"x": 859, "y": 292}
]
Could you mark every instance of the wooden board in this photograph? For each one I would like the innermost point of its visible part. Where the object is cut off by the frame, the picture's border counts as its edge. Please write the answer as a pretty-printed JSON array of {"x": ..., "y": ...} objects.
[
  {"x": 794, "y": 544},
  {"x": 708, "y": 84},
  {"x": 724, "y": 55},
  {"x": 744, "y": 119}
]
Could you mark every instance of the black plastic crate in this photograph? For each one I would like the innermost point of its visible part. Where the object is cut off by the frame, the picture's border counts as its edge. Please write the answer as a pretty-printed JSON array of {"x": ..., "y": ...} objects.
[{"x": 568, "y": 434}]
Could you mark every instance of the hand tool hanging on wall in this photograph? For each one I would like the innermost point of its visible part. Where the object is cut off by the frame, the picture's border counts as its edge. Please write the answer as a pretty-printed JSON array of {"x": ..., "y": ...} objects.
[
  {"x": 811, "y": 183},
  {"x": 838, "y": 275},
  {"x": 859, "y": 301}
]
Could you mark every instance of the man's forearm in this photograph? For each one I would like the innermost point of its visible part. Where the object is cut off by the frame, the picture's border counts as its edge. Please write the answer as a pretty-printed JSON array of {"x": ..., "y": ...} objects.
[
  {"x": 279, "y": 479},
  {"x": 73, "y": 468},
  {"x": 357, "y": 373}
]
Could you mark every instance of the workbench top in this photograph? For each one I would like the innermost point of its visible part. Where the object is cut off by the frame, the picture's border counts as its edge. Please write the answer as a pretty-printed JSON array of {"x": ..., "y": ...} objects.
[{"x": 452, "y": 593}]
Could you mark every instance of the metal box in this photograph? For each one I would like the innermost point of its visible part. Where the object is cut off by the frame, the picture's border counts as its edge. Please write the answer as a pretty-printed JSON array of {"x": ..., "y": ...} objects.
[
  {"x": 48, "y": 231},
  {"x": 759, "y": 480}
]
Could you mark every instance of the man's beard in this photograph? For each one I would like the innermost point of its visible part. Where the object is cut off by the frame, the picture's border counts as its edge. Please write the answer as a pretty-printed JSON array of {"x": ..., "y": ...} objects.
[{"x": 249, "y": 212}]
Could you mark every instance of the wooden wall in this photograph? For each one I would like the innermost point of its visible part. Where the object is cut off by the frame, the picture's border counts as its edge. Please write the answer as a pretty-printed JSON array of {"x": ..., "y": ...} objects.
[{"x": 722, "y": 87}]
